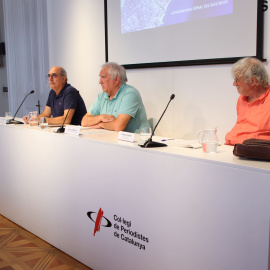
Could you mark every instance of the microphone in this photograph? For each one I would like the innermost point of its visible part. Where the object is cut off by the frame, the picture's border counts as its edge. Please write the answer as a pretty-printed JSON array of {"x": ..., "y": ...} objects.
[
  {"x": 149, "y": 143},
  {"x": 12, "y": 121},
  {"x": 62, "y": 129}
]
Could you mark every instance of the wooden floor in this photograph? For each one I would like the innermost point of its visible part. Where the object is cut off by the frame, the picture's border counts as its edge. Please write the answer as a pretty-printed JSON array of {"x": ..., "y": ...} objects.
[{"x": 21, "y": 250}]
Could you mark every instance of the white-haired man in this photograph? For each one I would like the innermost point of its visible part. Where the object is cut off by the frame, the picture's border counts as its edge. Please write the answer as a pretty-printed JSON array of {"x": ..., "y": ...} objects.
[
  {"x": 119, "y": 107},
  {"x": 253, "y": 106}
]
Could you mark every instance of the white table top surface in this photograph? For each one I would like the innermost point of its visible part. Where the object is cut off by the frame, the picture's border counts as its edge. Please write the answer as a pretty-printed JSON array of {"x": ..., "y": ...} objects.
[{"x": 223, "y": 156}]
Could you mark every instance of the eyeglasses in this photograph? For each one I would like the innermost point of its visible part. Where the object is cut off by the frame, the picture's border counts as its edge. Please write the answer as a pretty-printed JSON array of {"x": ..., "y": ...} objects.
[
  {"x": 236, "y": 79},
  {"x": 53, "y": 75}
]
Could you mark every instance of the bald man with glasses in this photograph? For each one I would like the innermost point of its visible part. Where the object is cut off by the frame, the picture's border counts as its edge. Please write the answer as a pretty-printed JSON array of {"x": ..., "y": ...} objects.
[{"x": 60, "y": 98}]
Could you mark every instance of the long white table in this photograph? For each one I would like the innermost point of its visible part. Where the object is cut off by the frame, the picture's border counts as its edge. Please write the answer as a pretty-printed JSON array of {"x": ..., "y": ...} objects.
[{"x": 169, "y": 208}]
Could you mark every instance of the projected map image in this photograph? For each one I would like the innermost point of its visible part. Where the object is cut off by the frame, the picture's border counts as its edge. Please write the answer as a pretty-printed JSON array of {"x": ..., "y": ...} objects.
[{"x": 137, "y": 15}]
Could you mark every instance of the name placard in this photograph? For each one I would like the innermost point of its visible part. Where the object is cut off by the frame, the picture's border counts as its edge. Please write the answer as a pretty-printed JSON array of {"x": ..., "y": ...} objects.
[
  {"x": 126, "y": 136},
  {"x": 73, "y": 130}
]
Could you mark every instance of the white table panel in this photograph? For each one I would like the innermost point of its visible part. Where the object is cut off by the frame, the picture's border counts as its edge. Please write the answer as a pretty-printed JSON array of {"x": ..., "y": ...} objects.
[{"x": 199, "y": 211}]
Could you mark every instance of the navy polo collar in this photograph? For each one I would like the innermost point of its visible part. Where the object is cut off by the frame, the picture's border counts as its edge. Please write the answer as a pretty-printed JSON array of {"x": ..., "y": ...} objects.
[{"x": 61, "y": 92}]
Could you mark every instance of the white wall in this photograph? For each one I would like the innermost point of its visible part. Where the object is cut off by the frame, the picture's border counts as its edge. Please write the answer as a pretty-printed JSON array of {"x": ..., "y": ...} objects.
[
  {"x": 3, "y": 71},
  {"x": 205, "y": 95},
  {"x": 76, "y": 42}
]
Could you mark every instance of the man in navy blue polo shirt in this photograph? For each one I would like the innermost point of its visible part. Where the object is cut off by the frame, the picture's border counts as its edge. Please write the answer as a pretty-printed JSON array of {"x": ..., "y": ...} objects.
[{"x": 62, "y": 97}]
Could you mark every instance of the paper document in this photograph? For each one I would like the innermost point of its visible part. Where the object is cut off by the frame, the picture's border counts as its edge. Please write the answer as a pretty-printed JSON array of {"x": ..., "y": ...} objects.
[{"x": 188, "y": 143}]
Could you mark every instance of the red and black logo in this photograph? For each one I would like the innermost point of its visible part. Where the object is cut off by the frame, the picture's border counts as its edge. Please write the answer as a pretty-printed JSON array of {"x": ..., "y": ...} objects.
[{"x": 98, "y": 221}]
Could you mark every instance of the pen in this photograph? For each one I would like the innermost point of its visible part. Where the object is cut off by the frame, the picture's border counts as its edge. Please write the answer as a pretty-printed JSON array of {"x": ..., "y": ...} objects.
[{"x": 166, "y": 140}]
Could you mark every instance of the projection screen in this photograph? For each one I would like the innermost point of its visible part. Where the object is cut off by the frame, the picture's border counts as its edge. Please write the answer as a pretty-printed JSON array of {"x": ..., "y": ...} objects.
[{"x": 153, "y": 33}]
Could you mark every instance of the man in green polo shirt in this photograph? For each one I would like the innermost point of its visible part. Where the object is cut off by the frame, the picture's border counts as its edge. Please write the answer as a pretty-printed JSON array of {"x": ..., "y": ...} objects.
[{"x": 119, "y": 107}]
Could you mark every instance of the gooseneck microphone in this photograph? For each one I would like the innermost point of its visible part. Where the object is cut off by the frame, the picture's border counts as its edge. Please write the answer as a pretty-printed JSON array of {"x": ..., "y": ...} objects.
[
  {"x": 149, "y": 142},
  {"x": 62, "y": 129},
  {"x": 13, "y": 121}
]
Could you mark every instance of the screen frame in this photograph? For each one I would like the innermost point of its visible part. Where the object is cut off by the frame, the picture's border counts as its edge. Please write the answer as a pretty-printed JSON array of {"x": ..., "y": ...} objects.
[{"x": 213, "y": 61}]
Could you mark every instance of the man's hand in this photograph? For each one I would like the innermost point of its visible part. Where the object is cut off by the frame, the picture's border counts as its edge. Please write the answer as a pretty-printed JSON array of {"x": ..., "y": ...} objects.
[
  {"x": 105, "y": 118},
  {"x": 25, "y": 119},
  {"x": 118, "y": 124}
]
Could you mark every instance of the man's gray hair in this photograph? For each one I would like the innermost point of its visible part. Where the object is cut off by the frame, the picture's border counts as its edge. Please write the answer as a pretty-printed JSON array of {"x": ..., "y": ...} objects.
[
  {"x": 63, "y": 72},
  {"x": 116, "y": 70},
  {"x": 249, "y": 67}
]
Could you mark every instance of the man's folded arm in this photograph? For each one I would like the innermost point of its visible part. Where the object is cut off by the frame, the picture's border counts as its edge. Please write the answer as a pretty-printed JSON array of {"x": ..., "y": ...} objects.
[
  {"x": 90, "y": 120},
  {"x": 119, "y": 124},
  {"x": 106, "y": 121}
]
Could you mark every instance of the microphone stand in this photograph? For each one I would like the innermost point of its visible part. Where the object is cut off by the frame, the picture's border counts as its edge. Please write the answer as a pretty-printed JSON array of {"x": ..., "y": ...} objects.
[
  {"x": 13, "y": 121},
  {"x": 149, "y": 143},
  {"x": 62, "y": 129},
  {"x": 38, "y": 105}
]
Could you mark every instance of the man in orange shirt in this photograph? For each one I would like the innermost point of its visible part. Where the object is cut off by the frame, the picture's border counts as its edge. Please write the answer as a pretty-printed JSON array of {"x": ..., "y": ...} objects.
[{"x": 253, "y": 106}]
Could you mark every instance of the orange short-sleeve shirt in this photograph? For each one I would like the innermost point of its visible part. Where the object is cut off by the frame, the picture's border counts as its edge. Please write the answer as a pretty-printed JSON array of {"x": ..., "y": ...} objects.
[{"x": 253, "y": 120}]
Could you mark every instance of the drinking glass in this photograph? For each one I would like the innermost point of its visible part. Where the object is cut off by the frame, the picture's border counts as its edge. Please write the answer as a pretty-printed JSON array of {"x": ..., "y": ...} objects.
[
  {"x": 33, "y": 118},
  {"x": 43, "y": 122},
  {"x": 8, "y": 115},
  {"x": 145, "y": 134}
]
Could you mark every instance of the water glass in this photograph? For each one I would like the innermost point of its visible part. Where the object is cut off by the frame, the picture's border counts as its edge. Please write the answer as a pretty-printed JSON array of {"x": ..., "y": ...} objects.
[
  {"x": 145, "y": 134},
  {"x": 33, "y": 118},
  {"x": 8, "y": 115},
  {"x": 43, "y": 122}
]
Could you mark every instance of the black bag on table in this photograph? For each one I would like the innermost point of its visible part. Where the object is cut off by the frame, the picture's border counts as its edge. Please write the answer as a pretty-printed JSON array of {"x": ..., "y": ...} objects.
[{"x": 253, "y": 148}]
